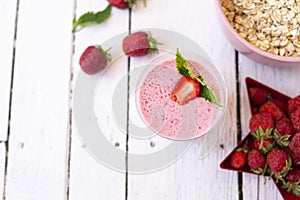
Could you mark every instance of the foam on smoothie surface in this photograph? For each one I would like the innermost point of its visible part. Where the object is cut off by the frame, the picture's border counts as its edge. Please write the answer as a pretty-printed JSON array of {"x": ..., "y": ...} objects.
[{"x": 165, "y": 116}]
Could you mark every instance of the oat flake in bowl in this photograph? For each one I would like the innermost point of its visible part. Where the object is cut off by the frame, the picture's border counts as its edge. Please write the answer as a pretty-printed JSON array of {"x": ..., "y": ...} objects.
[{"x": 272, "y": 27}]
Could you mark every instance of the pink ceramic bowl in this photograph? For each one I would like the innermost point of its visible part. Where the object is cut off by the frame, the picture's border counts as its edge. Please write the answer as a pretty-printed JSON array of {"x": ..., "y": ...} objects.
[{"x": 249, "y": 50}]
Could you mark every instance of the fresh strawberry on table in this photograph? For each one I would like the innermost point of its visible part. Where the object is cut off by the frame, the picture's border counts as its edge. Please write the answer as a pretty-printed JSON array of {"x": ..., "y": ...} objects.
[
  {"x": 186, "y": 89},
  {"x": 122, "y": 3},
  {"x": 139, "y": 44},
  {"x": 94, "y": 59}
]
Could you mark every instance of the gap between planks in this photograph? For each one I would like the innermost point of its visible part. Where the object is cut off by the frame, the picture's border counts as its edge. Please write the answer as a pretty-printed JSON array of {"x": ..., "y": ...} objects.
[
  {"x": 10, "y": 98},
  {"x": 128, "y": 96},
  {"x": 238, "y": 120},
  {"x": 70, "y": 108}
]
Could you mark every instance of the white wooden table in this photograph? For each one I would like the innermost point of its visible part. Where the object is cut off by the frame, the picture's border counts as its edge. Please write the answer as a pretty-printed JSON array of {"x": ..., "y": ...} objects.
[{"x": 41, "y": 156}]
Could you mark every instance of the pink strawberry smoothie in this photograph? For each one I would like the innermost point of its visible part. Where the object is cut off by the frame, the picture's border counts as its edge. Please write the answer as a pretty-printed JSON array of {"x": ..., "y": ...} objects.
[{"x": 166, "y": 117}]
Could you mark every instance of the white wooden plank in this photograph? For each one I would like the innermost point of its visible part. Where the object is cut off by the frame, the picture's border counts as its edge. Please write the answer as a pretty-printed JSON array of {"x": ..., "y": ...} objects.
[
  {"x": 2, "y": 166},
  {"x": 90, "y": 179},
  {"x": 7, "y": 19},
  {"x": 283, "y": 79},
  {"x": 37, "y": 143},
  {"x": 190, "y": 177}
]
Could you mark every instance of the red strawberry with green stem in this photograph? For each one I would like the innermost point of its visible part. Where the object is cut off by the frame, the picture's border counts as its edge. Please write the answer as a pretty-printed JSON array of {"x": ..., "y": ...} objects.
[
  {"x": 293, "y": 175},
  {"x": 275, "y": 111},
  {"x": 139, "y": 44},
  {"x": 279, "y": 162},
  {"x": 94, "y": 59},
  {"x": 292, "y": 182},
  {"x": 295, "y": 159},
  {"x": 186, "y": 89},
  {"x": 295, "y": 119},
  {"x": 263, "y": 120},
  {"x": 285, "y": 127},
  {"x": 258, "y": 96},
  {"x": 295, "y": 144},
  {"x": 293, "y": 104},
  {"x": 239, "y": 157},
  {"x": 283, "y": 132},
  {"x": 263, "y": 140},
  {"x": 123, "y": 4},
  {"x": 257, "y": 162},
  {"x": 261, "y": 126}
]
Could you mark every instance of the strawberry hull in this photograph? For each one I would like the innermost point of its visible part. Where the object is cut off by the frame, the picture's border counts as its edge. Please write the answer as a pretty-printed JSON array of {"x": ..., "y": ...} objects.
[{"x": 281, "y": 101}]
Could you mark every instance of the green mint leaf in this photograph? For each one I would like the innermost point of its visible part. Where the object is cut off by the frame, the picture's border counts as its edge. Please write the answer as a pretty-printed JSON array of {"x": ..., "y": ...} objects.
[
  {"x": 183, "y": 66},
  {"x": 207, "y": 93},
  {"x": 185, "y": 69},
  {"x": 91, "y": 18}
]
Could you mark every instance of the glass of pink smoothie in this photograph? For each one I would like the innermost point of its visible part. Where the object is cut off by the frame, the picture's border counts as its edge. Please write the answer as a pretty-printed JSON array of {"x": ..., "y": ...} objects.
[{"x": 167, "y": 118}]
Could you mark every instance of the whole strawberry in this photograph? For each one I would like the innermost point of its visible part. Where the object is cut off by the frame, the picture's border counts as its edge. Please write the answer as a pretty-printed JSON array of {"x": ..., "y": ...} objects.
[
  {"x": 93, "y": 59},
  {"x": 293, "y": 104},
  {"x": 295, "y": 119},
  {"x": 293, "y": 175},
  {"x": 294, "y": 157},
  {"x": 256, "y": 161},
  {"x": 292, "y": 182},
  {"x": 258, "y": 96},
  {"x": 139, "y": 44},
  {"x": 279, "y": 162},
  {"x": 238, "y": 159},
  {"x": 271, "y": 108},
  {"x": 122, "y": 3},
  {"x": 185, "y": 90},
  {"x": 263, "y": 120},
  {"x": 283, "y": 132},
  {"x": 295, "y": 144},
  {"x": 285, "y": 127}
]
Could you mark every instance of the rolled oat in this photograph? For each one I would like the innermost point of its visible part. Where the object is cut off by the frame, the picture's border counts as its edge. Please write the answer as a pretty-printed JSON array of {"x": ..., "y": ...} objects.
[{"x": 271, "y": 25}]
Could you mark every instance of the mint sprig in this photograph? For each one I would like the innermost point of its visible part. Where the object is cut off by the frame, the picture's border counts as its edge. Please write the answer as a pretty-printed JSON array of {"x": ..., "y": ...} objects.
[
  {"x": 91, "y": 18},
  {"x": 185, "y": 69}
]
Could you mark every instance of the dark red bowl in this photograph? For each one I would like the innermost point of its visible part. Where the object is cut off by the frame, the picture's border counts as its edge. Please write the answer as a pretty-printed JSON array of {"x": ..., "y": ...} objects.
[{"x": 280, "y": 100}]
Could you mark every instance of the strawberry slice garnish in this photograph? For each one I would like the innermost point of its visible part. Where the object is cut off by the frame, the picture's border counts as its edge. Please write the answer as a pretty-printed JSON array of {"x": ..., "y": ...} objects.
[{"x": 186, "y": 89}]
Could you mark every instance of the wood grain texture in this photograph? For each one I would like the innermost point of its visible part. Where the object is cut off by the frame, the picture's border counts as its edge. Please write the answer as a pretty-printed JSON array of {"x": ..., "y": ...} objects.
[
  {"x": 90, "y": 179},
  {"x": 191, "y": 177},
  {"x": 37, "y": 143},
  {"x": 7, "y": 19}
]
